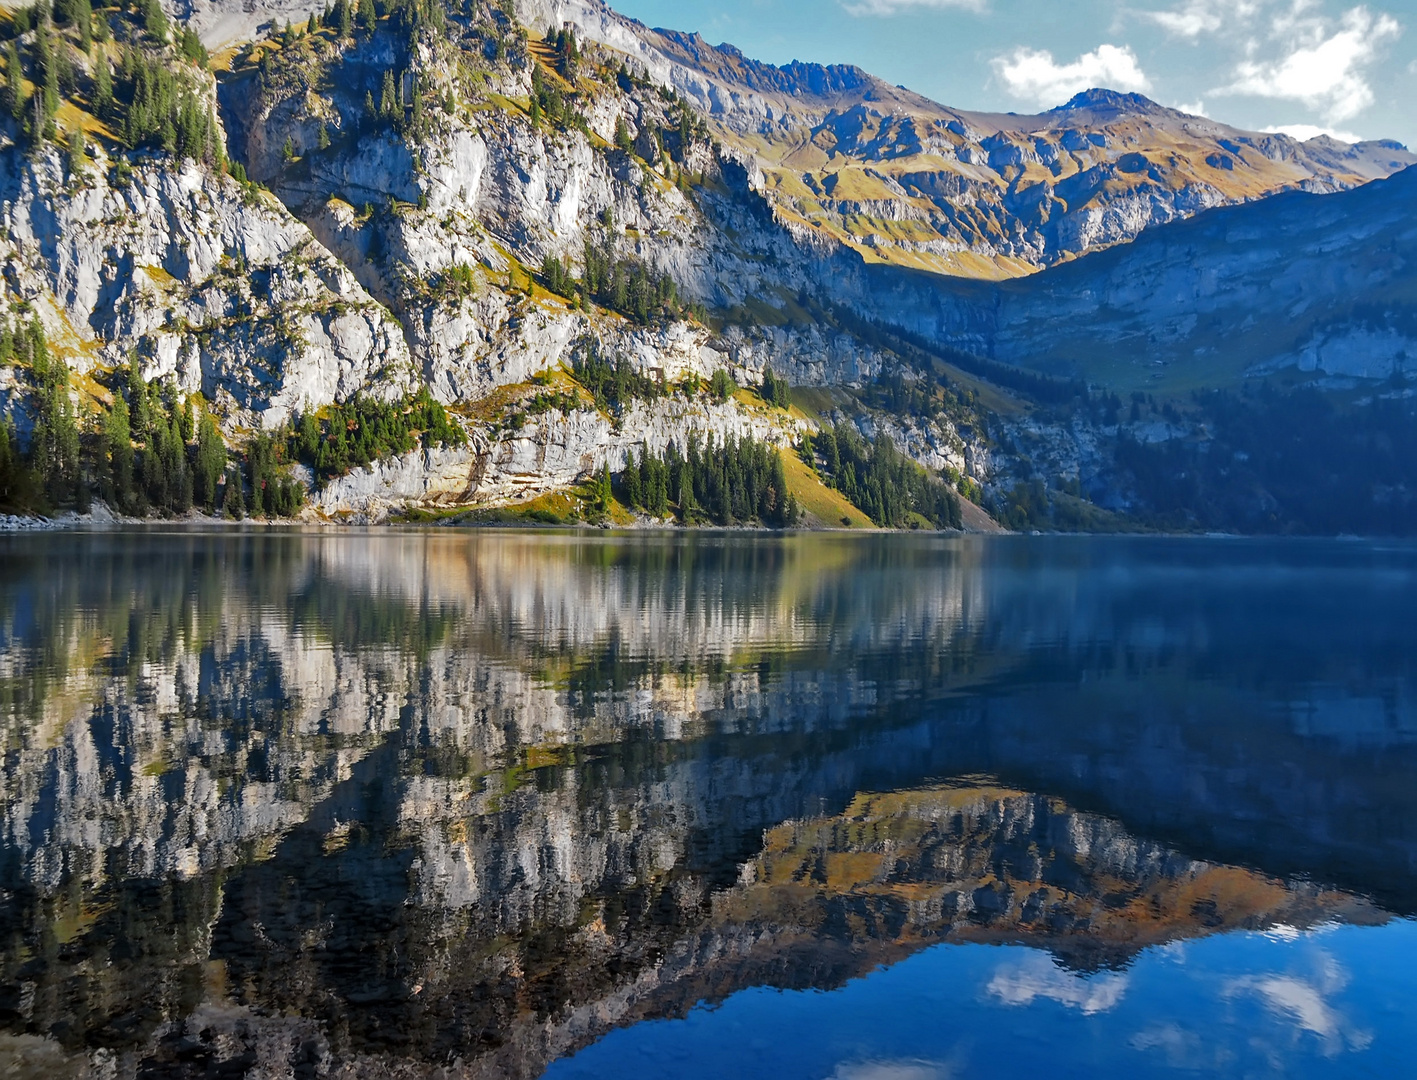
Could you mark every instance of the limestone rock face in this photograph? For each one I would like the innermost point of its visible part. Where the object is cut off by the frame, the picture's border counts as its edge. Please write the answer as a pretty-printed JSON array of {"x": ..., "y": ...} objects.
[
  {"x": 221, "y": 23},
  {"x": 422, "y": 477},
  {"x": 218, "y": 290},
  {"x": 548, "y": 453}
]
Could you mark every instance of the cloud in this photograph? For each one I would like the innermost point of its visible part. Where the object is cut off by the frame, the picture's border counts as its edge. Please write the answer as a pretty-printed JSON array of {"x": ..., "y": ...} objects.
[
  {"x": 891, "y": 1070},
  {"x": 1196, "y": 18},
  {"x": 1183, "y": 1049},
  {"x": 1324, "y": 62},
  {"x": 1034, "y": 74},
  {"x": 1303, "y": 1003},
  {"x": 895, "y": 7},
  {"x": 1193, "y": 108},
  {"x": 1305, "y": 132},
  {"x": 1039, "y": 977}
]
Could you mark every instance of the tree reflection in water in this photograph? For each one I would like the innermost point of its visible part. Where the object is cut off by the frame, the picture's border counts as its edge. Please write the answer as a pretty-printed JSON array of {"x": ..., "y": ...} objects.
[{"x": 398, "y": 802}]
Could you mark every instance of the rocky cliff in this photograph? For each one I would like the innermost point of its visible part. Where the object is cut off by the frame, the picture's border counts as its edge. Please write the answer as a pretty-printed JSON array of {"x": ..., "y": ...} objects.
[{"x": 219, "y": 290}]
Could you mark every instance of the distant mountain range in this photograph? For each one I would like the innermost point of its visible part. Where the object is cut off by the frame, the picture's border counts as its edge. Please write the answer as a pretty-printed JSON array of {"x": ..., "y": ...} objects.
[{"x": 905, "y": 181}]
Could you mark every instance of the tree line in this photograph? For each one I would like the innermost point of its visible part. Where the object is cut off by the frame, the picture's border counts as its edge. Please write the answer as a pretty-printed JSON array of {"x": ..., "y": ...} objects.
[
  {"x": 152, "y": 450},
  {"x": 880, "y": 481},
  {"x": 741, "y": 481},
  {"x": 612, "y": 384},
  {"x": 624, "y": 285},
  {"x": 149, "y": 101},
  {"x": 365, "y": 430}
]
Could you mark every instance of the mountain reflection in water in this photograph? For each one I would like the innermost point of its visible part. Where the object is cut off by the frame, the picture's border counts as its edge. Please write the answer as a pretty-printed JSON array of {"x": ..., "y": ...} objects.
[{"x": 428, "y": 803}]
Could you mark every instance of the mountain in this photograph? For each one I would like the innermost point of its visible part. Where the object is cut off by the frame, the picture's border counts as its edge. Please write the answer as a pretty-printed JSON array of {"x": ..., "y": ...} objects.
[
  {"x": 476, "y": 256},
  {"x": 905, "y": 181},
  {"x": 1319, "y": 285}
]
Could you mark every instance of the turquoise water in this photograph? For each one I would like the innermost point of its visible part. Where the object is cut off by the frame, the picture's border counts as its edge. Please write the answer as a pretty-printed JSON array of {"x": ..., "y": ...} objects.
[{"x": 473, "y": 804}]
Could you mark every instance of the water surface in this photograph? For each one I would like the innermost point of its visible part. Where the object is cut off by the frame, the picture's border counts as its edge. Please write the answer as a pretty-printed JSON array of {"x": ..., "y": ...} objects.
[{"x": 440, "y": 804}]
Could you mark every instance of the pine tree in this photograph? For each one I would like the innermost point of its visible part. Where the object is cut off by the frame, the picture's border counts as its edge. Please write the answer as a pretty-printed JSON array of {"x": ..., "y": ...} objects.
[
  {"x": 186, "y": 421},
  {"x": 154, "y": 21},
  {"x": 416, "y": 100},
  {"x": 118, "y": 457},
  {"x": 603, "y": 494},
  {"x": 634, "y": 480},
  {"x": 308, "y": 437},
  {"x": 81, "y": 12},
  {"x": 344, "y": 21},
  {"x": 102, "y": 88},
  {"x": 210, "y": 464},
  {"x": 235, "y": 502},
  {"x": 137, "y": 401},
  {"x": 15, "y": 98},
  {"x": 47, "y": 62},
  {"x": 367, "y": 19},
  {"x": 388, "y": 101},
  {"x": 78, "y": 155},
  {"x": 18, "y": 488},
  {"x": 55, "y": 440}
]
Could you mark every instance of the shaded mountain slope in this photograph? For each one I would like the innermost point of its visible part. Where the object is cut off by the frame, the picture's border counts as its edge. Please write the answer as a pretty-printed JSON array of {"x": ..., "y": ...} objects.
[{"x": 1317, "y": 284}]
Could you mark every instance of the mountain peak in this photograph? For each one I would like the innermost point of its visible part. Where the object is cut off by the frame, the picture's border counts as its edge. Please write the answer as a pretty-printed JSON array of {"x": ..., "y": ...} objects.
[
  {"x": 1101, "y": 98},
  {"x": 728, "y": 62}
]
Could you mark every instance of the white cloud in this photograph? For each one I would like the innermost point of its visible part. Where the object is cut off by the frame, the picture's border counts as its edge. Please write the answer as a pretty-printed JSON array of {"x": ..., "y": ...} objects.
[
  {"x": 1196, "y": 18},
  {"x": 1034, "y": 74},
  {"x": 891, "y": 1070},
  {"x": 1324, "y": 65},
  {"x": 1039, "y": 977},
  {"x": 1194, "y": 108},
  {"x": 1303, "y": 1003},
  {"x": 1305, "y": 132},
  {"x": 895, "y": 7}
]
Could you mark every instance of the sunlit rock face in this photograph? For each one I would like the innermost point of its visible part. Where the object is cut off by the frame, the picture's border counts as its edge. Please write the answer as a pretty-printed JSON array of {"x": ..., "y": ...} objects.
[
  {"x": 382, "y": 802},
  {"x": 853, "y": 161},
  {"x": 215, "y": 291}
]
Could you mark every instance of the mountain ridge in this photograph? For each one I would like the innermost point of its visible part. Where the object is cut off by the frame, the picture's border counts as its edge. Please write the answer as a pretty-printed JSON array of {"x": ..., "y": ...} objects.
[{"x": 904, "y": 180}]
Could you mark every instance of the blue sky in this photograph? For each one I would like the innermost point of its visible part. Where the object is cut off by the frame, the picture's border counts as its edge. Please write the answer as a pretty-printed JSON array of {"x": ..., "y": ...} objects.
[{"x": 1300, "y": 65}]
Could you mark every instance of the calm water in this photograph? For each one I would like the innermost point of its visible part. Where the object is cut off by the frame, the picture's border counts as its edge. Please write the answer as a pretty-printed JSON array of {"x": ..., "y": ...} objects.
[{"x": 436, "y": 804}]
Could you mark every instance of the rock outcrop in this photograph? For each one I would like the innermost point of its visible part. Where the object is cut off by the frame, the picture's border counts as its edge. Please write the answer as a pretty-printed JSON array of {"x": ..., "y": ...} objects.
[{"x": 219, "y": 290}]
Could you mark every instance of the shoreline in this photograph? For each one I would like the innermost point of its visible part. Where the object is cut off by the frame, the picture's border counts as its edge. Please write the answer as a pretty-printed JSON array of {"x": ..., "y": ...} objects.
[
  {"x": 106, "y": 521},
  {"x": 11, "y": 524},
  {"x": 101, "y": 517}
]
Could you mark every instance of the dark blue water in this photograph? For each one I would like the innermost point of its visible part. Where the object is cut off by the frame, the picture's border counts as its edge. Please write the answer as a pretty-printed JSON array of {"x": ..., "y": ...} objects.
[{"x": 449, "y": 804}]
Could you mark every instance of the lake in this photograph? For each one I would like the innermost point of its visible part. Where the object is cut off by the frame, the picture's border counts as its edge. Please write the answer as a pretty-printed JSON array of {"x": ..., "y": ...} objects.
[{"x": 435, "y": 803}]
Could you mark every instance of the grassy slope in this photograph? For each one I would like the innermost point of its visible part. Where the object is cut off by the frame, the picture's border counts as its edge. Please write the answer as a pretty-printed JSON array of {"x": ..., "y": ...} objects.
[{"x": 821, "y": 506}]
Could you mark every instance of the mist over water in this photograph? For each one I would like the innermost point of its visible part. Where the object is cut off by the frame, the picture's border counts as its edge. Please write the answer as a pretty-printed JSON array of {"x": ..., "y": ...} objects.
[{"x": 435, "y": 803}]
